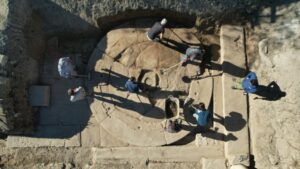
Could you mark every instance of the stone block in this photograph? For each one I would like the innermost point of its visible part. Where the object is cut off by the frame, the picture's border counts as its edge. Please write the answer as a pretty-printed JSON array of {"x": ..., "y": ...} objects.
[
  {"x": 239, "y": 160},
  {"x": 90, "y": 136},
  {"x": 3, "y": 60},
  {"x": 233, "y": 63},
  {"x": 23, "y": 141},
  {"x": 218, "y": 115},
  {"x": 201, "y": 90},
  {"x": 3, "y": 120},
  {"x": 205, "y": 140},
  {"x": 107, "y": 140},
  {"x": 56, "y": 136},
  {"x": 4, "y": 87},
  {"x": 214, "y": 163},
  {"x": 170, "y": 153},
  {"x": 131, "y": 131}
]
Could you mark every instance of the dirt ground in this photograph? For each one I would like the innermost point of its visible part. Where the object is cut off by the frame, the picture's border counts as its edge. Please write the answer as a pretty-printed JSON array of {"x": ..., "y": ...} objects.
[{"x": 273, "y": 53}]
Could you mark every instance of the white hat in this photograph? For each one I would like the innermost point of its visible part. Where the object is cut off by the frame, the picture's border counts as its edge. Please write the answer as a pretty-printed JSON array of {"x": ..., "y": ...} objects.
[{"x": 163, "y": 21}]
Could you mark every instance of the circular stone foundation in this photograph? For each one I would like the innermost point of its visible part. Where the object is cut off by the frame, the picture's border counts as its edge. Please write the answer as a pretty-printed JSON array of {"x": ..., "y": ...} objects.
[{"x": 139, "y": 118}]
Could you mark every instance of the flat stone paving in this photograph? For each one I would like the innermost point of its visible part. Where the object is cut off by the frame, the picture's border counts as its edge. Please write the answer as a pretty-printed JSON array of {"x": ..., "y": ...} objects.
[
  {"x": 234, "y": 102},
  {"x": 139, "y": 119}
]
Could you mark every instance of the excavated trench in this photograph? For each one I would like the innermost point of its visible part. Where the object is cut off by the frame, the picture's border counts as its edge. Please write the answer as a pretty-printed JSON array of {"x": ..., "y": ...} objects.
[
  {"x": 79, "y": 46},
  {"x": 45, "y": 44}
]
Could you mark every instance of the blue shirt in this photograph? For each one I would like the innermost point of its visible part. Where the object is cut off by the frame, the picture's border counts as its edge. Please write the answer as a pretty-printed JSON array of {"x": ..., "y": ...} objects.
[
  {"x": 131, "y": 86},
  {"x": 201, "y": 117},
  {"x": 247, "y": 86}
]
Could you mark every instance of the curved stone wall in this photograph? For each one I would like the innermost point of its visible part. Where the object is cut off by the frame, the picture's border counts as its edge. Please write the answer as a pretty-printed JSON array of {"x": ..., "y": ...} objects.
[{"x": 88, "y": 15}]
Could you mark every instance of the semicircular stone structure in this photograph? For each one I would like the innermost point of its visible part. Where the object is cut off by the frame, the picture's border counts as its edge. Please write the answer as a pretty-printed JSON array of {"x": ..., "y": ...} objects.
[{"x": 139, "y": 118}]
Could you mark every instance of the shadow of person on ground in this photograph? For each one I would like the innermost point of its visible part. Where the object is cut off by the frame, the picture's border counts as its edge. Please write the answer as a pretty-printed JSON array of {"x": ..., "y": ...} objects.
[
  {"x": 272, "y": 92},
  {"x": 118, "y": 81},
  {"x": 187, "y": 79},
  {"x": 214, "y": 134},
  {"x": 144, "y": 109},
  {"x": 257, "y": 15},
  {"x": 233, "y": 122},
  {"x": 172, "y": 44}
]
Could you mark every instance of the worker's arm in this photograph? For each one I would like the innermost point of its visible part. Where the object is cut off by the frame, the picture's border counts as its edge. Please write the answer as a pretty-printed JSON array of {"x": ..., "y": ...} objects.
[{"x": 162, "y": 33}]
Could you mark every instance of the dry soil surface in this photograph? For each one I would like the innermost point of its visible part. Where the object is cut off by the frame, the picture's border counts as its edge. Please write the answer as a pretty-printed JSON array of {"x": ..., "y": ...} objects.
[{"x": 273, "y": 53}]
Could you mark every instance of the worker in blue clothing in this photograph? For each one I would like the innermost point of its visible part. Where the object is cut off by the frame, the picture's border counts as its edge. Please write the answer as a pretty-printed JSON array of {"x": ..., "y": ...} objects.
[
  {"x": 250, "y": 83},
  {"x": 131, "y": 85},
  {"x": 201, "y": 115},
  {"x": 157, "y": 30}
]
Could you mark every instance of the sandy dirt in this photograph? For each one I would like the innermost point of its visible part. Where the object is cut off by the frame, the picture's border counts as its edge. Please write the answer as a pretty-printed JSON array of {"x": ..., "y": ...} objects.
[{"x": 273, "y": 53}]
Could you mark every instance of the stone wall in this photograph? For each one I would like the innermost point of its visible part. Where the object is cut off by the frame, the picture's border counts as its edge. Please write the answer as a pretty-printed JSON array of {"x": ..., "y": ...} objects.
[
  {"x": 19, "y": 66},
  {"x": 84, "y": 16}
]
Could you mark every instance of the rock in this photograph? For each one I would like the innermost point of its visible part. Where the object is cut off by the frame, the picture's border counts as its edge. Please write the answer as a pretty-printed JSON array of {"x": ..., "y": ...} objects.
[
  {"x": 238, "y": 167},
  {"x": 3, "y": 14},
  {"x": 5, "y": 85},
  {"x": 3, "y": 60}
]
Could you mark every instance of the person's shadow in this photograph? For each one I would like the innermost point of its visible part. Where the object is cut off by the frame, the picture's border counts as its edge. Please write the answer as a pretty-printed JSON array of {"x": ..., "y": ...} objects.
[
  {"x": 233, "y": 122},
  {"x": 272, "y": 92},
  {"x": 172, "y": 44}
]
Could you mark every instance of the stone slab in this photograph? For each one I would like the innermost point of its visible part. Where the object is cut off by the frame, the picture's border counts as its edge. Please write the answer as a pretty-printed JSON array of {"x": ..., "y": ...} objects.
[
  {"x": 218, "y": 122},
  {"x": 214, "y": 163},
  {"x": 107, "y": 140},
  {"x": 174, "y": 153},
  {"x": 99, "y": 111},
  {"x": 186, "y": 129},
  {"x": 4, "y": 127},
  {"x": 90, "y": 135},
  {"x": 209, "y": 139},
  {"x": 46, "y": 136},
  {"x": 233, "y": 63},
  {"x": 201, "y": 90},
  {"x": 5, "y": 85},
  {"x": 133, "y": 132},
  {"x": 3, "y": 60}
]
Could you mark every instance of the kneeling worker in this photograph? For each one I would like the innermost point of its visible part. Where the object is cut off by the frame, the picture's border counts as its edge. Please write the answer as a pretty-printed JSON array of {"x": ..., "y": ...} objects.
[
  {"x": 201, "y": 115},
  {"x": 131, "y": 85},
  {"x": 77, "y": 94}
]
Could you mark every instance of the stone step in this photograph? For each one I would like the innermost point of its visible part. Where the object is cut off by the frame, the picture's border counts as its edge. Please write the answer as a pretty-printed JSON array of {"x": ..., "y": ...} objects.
[
  {"x": 47, "y": 136},
  {"x": 218, "y": 122},
  {"x": 234, "y": 102},
  {"x": 139, "y": 133},
  {"x": 168, "y": 153}
]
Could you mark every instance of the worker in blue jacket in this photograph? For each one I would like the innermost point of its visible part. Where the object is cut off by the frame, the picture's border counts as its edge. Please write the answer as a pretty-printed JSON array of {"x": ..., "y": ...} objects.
[
  {"x": 250, "y": 83},
  {"x": 131, "y": 85}
]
